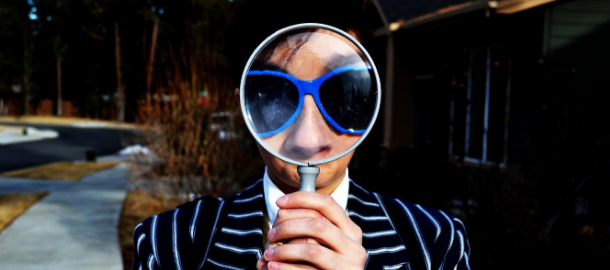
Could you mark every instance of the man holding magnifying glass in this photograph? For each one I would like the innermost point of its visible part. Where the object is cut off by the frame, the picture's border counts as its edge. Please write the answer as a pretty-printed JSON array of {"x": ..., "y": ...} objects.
[{"x": 308, "y": 96}]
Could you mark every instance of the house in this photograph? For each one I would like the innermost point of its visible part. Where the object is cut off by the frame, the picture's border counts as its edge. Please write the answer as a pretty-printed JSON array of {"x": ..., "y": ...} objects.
[{"x": 496, "y": 111}]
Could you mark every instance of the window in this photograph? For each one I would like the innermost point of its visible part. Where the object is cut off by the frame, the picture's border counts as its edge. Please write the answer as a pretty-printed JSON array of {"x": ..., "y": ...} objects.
[{"x": 480, "y": 107}]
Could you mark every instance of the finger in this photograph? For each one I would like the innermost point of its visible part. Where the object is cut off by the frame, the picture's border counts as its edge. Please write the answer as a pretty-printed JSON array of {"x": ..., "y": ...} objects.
[
  {"x": 261, "y": 264},
  {"x": 320, "y": 229},
  {"x": 316, "y": 255},
  {"x": 300, "y": 240},
  {"x": 303, "y": 240},
  {"x": 289, "y": 266},
  {"x": 287, "y": 214},
  {"x": 324, "y": 204},
  {"x": 271, "y": 244}
]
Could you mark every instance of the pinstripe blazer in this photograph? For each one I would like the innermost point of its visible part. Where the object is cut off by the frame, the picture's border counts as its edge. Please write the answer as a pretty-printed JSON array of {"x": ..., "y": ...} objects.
[{"x": 226, "y": 233}]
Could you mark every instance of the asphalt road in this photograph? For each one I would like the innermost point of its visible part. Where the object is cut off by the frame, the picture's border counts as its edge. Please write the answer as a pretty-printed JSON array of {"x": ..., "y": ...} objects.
[{"x": 72, "y": 144}]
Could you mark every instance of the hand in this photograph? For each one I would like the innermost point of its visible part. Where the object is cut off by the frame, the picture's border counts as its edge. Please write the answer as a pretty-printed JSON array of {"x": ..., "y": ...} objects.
[
  {"x": 324, "y": 236},
  {"x": 289, "y": 214}
]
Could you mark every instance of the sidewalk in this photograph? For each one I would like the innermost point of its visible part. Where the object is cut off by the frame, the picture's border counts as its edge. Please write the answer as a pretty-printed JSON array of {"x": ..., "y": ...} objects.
[{"x": 74, "y": 227}]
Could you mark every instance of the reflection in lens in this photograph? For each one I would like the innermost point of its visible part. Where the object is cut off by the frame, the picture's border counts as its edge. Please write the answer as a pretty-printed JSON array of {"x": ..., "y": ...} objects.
[
  {"x": 271, "y": 102},
  {"x": 349, "y": 98}
]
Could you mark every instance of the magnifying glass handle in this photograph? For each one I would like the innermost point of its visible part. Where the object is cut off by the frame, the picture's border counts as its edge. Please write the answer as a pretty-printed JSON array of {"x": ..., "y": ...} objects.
[{"x": 308, "y": 177}]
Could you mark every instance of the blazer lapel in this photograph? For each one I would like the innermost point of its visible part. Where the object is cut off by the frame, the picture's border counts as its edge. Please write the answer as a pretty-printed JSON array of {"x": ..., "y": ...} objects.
[
  {"x": 238, "y": 240},
  {"x": 385, "y": 248},
  {"x": 239, "y": 237}
]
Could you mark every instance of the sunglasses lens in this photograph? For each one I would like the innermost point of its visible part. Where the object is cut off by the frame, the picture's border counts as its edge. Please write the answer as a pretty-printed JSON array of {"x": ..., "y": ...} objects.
[
  {"x": 271, "y": 101},
  {"x": 350, "y": 98}
]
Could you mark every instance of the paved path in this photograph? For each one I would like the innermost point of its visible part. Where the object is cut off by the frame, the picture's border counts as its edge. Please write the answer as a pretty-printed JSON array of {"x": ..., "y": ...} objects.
[{"x": 74, "y": 227}]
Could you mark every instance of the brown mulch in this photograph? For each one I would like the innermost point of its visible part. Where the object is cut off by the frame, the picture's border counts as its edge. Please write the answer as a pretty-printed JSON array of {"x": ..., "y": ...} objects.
[
  {"x": 138, "y": 205},
  {"x": 67, "y": 171},
  {"x": 13, "y": 205},
  {"x": 61, "y": 120}
]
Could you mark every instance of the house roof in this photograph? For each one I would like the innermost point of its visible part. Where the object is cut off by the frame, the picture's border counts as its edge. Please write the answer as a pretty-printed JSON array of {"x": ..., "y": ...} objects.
[
  {"x": 405, "y": 10},
  {"x": 408, "y": 13}
]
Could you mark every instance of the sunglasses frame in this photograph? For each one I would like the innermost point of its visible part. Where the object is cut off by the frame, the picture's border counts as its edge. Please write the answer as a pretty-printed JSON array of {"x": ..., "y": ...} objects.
[
  {"x": 311, "y": 87},
  {"x": 248, "y": 118}
]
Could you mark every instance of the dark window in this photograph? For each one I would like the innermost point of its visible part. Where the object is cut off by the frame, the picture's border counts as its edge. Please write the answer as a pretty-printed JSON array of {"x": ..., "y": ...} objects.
[{"x": 479, "y": 111}]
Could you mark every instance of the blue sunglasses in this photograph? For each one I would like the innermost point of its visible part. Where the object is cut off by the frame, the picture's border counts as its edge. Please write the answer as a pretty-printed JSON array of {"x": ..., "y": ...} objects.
[{"x": 346, "y": 97}]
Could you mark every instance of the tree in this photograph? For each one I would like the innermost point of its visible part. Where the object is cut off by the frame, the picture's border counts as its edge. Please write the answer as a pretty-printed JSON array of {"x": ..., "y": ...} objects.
[
  {"x": 16, "y": 30},
  {"x": 120, "y": 87}
]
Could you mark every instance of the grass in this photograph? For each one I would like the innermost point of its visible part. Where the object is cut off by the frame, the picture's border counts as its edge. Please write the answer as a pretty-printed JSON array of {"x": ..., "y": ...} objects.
[
  {"x": 2, "y": 128},
  {"x": 13, "y": 205},
  {"x": 67, "y": 171},
  {"x": 57, "y": 120},
  {"x": 138, "y": 205}
]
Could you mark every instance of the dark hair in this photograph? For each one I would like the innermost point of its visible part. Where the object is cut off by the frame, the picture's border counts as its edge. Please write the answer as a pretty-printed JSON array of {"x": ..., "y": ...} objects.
[{"x": 255, "y": 20}]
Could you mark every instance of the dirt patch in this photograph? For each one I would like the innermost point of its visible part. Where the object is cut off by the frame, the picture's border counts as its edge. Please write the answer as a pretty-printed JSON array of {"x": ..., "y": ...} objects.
[
  {"x": 3, "y": 128},
  {"x": 67, "y": 171},
  {"x": 56, "y": 120},
  {"x": 13, "y": 205},
  {"x": 138, "y": 205}
]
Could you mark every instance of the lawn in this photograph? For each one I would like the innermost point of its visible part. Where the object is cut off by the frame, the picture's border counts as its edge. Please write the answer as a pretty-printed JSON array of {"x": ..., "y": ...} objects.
[
  {"x": 67, "y": 171},
  {"x": 57, "y": 120},
  {"x": 13, "y": 205}
]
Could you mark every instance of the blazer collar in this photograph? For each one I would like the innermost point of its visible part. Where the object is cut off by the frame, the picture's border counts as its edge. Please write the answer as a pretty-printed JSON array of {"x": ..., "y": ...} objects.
[{"x": 385, "y": 248}]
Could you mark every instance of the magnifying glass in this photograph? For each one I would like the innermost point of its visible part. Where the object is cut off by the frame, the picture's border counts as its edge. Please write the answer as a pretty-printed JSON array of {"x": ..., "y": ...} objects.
[{"x": 310, "y": 94}]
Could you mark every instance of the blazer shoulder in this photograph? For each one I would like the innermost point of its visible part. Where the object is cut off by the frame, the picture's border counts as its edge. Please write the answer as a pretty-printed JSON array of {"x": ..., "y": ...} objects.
[
  {"x": 187, "y": 212},
  {"x": 173, "y": 239},
  {"x": 430, "y": 220},
  {"x": 441, "y": 238}
]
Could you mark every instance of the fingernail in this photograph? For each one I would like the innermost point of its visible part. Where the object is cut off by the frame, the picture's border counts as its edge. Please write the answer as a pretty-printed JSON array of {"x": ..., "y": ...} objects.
[
  {"x": 269, "y": 253},
  {"x": 271, "y": 234},
  {"x": 272, "y": 265},
  {"x": 282, "y": 200}
]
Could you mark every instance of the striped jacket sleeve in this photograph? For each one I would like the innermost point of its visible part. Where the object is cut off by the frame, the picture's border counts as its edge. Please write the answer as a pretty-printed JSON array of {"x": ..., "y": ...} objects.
[
  {"x": 435, "y": 239},
  {"x": 174, "y": 239}
]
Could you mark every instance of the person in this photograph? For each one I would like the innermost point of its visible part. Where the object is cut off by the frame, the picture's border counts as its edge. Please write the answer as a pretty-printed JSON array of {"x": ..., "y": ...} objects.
[{"x": 270, "y": 225}]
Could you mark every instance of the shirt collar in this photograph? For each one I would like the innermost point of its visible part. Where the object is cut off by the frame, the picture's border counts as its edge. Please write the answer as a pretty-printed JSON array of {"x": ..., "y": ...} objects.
[{"x": 272, "y": 193}]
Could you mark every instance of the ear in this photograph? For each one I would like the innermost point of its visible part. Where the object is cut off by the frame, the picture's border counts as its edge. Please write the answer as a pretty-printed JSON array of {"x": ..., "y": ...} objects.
[{"x": 237, "y": 96}]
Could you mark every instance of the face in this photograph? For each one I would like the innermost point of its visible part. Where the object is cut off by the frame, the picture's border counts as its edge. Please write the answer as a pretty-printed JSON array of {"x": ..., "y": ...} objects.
[{"x": 310, "y": 136}]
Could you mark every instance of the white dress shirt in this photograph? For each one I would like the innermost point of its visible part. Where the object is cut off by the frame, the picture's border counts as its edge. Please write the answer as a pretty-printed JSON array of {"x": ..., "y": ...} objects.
[{"x": 272, "y": 193}]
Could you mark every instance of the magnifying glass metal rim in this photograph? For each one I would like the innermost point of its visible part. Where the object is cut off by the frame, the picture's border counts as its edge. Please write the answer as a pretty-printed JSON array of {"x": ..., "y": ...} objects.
[{"x": 242, "y": 94}]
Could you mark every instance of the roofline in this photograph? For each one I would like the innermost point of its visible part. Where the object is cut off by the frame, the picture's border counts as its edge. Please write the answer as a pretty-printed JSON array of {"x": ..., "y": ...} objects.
[
  {"x": 500, "y": 7},
  {"x": 441, "y": 14},
  {"x": 514, "y": 6}
]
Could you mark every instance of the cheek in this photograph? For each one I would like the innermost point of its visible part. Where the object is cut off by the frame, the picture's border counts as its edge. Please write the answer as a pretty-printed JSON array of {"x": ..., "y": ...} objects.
[
  {"x": 284, "y": 171},
  {"x": 348, "y": 141},
  {"x": 270, "y": 160},
  {"x": 275, "y": 142},
  {"x": 333, "y": 171}
]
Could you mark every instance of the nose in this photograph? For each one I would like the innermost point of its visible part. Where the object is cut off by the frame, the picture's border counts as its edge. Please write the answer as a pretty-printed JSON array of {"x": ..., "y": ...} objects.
[{"x": 310, "y": 138}]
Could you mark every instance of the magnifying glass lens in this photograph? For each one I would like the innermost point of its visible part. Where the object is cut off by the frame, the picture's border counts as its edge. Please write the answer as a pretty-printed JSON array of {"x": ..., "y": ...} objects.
[{"x": 309, "y": 94}]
